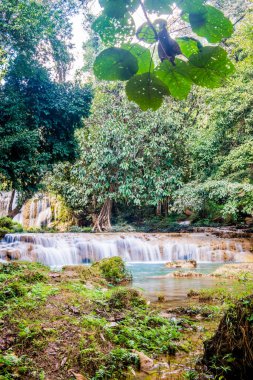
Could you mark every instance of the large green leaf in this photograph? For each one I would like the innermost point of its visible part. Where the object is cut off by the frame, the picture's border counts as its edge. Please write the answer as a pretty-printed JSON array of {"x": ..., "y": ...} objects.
[
  {"x": 115, "y": 64},
  {"x": 147, "y": 91},
  {"x": 175, "y": 77},
  {"x": 158, "y": 6},
  {"x": 143, "y": 56},
  {"x": 211, "y": 24},
  {"x": 146, "y": 33},
  {"x": 188, "y": 46},
  {"x": 118, "y": 8},
  {"x": 209, "y": 67},
  {"x": 190, "y": 6},
  {"x": 112, "y": 31}
]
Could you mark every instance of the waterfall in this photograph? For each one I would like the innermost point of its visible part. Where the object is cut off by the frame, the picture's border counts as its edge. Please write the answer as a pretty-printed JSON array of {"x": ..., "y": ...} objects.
[
  {"x": 5, "y": 200},
  {"x": 37, "y": 212},
  {"x": 72, "y": 249}
]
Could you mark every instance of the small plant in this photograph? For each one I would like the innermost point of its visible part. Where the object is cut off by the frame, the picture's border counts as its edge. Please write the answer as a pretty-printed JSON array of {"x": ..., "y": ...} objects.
[
  {"x": 117, "y": 362},
  {"x": 114, "y": 270}
]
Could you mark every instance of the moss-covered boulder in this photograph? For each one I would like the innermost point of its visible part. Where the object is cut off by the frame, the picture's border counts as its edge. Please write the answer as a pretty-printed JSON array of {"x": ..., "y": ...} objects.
[
  {"x": 229, "y": 354},
  {"x": 113, "y": 269}
]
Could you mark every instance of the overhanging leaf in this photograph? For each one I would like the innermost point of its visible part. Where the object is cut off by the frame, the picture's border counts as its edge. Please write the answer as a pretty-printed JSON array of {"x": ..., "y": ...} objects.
[
  {"x": 175, "y": 77},
  {"x": 211, "y": 24},
  {"x": 143, "y": 56},
  {"x": 158, "y": 6},
  {"x": 146, "y": 33},
  {"x": 147, "y": 91},
  {"x": 115, "y": 64},
  {"x": 190, "y": 6},
  {"x": 209, "y": 67},
  {"x": 112, "y": 31},
  {"x": 189, "y": 45},
  {"x": 118, "y": 8}
]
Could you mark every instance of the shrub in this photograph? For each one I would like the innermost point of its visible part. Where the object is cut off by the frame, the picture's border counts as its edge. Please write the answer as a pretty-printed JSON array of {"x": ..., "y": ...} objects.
[
  {"x": 113, "y": 270},
  {"x": 7, "y": 225},
  {"x": 116, "y": 362}
]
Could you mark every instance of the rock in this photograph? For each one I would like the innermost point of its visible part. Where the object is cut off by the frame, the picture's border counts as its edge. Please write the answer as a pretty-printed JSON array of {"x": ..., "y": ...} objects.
[
  {"x": 89, "y": 286},
  {"x": 182, "y": 264},
  {"x": 185, "y": 223},
  {"x": 146, "y": 363},
  {"x": 54, "y": 275},
  {"x": 13, "y": 254},
  {"x": 112, "y": 324},
  {"x": 249, "y": 221},
  {"x": 188, "y": 274}
]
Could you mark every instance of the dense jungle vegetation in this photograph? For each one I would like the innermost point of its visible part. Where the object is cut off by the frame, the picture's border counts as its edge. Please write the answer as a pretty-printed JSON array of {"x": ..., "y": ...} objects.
[
  {"x": 190, "y": 159},
  {"x": 154, "y": 132}
]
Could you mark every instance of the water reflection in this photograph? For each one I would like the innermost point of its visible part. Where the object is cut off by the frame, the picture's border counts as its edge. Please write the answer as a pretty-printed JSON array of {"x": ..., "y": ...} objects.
[{"x": 145, "y": 277}]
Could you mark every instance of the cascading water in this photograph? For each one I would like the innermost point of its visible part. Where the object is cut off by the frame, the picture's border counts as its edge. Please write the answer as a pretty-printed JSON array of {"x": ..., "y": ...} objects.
[
  {"x": 7, "y": 202},
  {"x": 72, "y": 249},
  {"x": 36, "y": 212}
]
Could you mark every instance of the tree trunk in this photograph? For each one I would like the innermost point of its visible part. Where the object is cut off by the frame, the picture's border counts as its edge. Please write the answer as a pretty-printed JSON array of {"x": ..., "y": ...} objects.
[
  {"x": 159, "y": 209},
  {"x": 103, "y": 222},
  {"x": 13, "y": 212},
  {"x": 165, "y": 207},
  {"x": 11, "y": 202}
]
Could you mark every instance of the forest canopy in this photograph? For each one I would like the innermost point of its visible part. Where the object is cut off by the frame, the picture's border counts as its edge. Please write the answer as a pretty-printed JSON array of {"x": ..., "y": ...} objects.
[{"x": 39, "y": 108}]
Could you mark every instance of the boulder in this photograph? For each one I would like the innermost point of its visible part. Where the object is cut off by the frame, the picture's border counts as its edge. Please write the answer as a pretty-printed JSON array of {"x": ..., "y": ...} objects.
[
  {"x": 13, "y": 254},
  {"x": 146, "y": 363},
  {"x": 182, "y": 264}
]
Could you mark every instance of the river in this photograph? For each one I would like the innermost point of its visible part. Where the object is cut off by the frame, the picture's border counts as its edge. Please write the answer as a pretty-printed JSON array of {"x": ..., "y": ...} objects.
[{"x": 145, "y": 255}]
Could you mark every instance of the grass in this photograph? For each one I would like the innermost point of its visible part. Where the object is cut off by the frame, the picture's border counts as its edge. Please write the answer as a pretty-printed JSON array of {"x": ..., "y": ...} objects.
[
  {"x": 226, "y": 292},
  {"x": 75, "y": 321}
]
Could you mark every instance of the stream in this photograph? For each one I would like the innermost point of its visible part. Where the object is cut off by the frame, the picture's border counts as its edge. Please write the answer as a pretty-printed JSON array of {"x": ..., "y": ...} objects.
[{"x": 144, "y": 253}]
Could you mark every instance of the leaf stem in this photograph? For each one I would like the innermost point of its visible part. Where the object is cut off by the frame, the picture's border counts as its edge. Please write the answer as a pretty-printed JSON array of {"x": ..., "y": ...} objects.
[{"x": 148, "y": 19}]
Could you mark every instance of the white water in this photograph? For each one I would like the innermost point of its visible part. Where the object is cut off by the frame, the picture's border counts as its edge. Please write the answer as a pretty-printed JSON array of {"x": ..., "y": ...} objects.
[
  {"x": 39, "y": 213},
  {"x": 72, "y": 249},
  {"x": 5, "y": 200}
]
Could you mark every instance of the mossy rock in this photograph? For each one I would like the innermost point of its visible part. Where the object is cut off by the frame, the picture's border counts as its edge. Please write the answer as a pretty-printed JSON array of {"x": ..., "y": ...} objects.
[
  {"x": 113, "y": 270},
  {"x": 229, "y": 354}
]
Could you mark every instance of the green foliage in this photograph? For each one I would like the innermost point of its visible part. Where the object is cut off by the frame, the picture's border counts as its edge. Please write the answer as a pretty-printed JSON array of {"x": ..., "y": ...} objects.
[
  {"x": 125, "y": 155},
  {"x": 7, "y": 225},
  {"x": 38, "y": 119},
  {"x": 175, "y": 77},
  {"x": 211, "y": 24},
  {"x": 148, "y": 334},
  {"x": 229, "y": 199},
  {"x": 146, "y": 90},
  {"x": 12, "y": 364},
  {"x": 124, "y": 298},
  {"x": 79, "y": 308},
  {"x": 210, "y": 66},
  {"x": 115, "y": 63},
  {"x": 39, "y": 110},
  {"x": 116, "y": 363},
  {"x": 189, "y": 46},
  {"x": 206, "y": 66},
  {"x": 113, "y": 270},
  {"x": 143, "y": 56}
]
